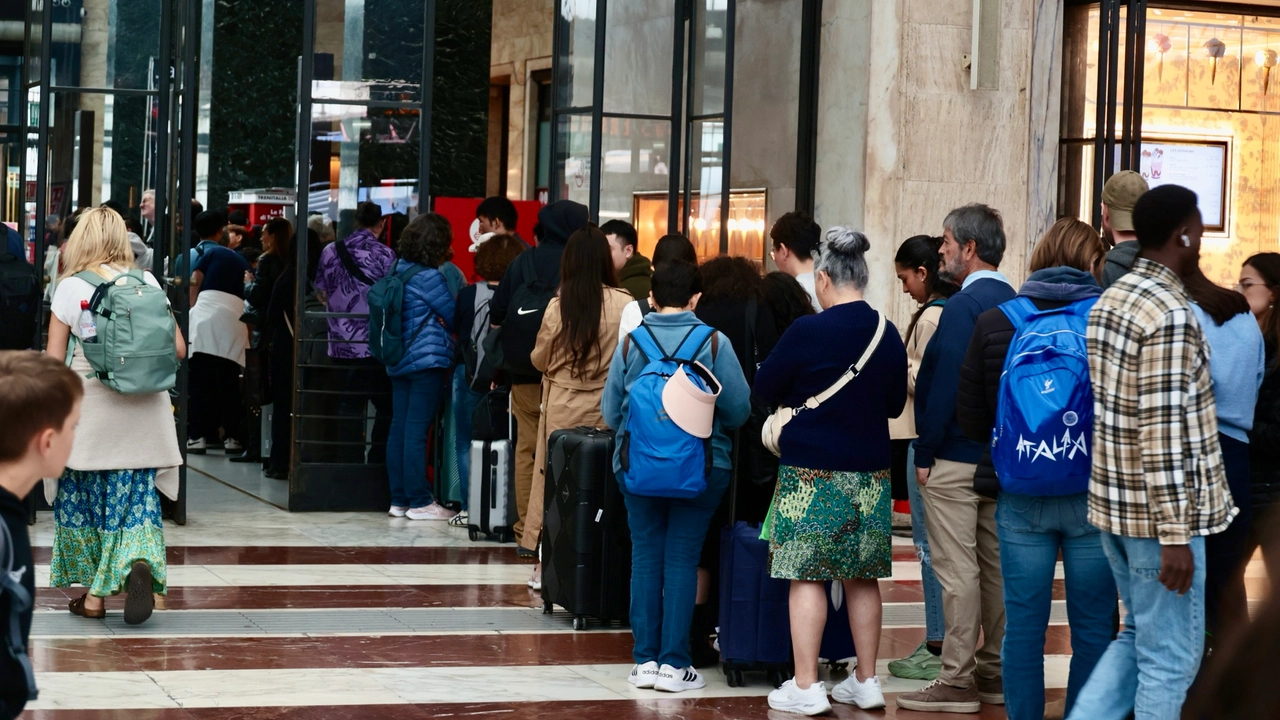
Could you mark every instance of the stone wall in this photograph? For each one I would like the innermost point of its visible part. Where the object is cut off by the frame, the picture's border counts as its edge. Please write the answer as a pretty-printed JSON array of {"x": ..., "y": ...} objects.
[
  {"x": 930, "y": 143},
  {"x": 521, "y": 44}
]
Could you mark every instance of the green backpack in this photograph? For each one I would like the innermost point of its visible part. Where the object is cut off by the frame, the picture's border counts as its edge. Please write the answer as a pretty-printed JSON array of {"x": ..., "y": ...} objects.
[{"x": 135, "y": 352}]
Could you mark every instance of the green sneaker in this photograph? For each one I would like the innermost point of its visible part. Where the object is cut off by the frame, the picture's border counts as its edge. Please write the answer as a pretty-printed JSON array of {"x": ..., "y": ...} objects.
[{"x": 919, "y": 665}]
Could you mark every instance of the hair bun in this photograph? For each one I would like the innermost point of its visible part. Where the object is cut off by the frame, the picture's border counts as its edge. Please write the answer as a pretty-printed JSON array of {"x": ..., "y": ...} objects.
[{"x": 847, "y": 241}]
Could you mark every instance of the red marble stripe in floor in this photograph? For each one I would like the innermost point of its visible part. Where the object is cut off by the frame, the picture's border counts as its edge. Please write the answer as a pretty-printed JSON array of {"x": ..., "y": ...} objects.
[
  {"x": 301, "y": 597},
  {"x": 751, "y": 708},
  {"x": 189, "y": 555},
  {"x": 250, "y": 653}
]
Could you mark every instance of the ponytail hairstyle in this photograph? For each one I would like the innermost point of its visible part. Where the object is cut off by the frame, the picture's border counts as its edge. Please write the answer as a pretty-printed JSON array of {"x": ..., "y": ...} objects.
[
  {"x": 922, "y": 251},
  {"x": 1220, "y": 303},
  {"x": 586, "y": 269}
]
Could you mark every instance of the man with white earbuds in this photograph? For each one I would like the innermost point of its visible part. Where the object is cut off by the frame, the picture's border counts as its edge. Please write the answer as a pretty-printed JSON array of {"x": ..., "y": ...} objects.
[{"x": 1158, "y": 485}]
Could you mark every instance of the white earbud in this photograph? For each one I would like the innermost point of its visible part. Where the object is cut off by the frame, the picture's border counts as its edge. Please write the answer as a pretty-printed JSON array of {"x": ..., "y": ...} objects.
[{"x": 1186, "y": 241}]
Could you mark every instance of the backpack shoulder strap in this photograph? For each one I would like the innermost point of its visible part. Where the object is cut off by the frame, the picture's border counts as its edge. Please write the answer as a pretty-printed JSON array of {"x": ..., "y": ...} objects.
[
  {"x": 411, "y": 273},
  {"x": 1019, "y": 311},
  {"x": 647, "y": 343},
  {"x": 692, "y": 344},
  {"x": 645, "y": 307}
]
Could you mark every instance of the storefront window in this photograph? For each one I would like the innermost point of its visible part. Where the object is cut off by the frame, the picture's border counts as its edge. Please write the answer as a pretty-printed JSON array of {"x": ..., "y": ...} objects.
[{"x": 1210, "y": 120}]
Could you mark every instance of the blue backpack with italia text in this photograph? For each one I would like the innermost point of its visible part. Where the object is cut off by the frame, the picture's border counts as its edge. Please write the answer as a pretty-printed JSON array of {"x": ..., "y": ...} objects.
[
  {"x": 1042, "y": 440},
  {"x": 658, "y": 457}
]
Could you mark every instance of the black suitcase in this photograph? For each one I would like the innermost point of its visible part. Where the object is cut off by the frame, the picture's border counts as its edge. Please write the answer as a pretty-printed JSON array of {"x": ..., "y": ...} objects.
[{"x": 586, "y": 543}]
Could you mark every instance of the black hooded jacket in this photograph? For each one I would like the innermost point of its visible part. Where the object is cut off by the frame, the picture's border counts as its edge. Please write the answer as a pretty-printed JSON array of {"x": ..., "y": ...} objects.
[
  {"x": 1264, "y": 441},
  {"x": 984, "y": 362}
]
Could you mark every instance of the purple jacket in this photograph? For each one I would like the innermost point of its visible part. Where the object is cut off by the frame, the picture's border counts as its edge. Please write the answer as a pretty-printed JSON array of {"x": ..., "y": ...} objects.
[{"x": 349, "y": 337}]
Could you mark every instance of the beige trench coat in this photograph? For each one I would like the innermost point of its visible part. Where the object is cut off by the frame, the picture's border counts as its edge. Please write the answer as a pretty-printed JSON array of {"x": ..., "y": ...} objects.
[{"x": 568, "y": 401}]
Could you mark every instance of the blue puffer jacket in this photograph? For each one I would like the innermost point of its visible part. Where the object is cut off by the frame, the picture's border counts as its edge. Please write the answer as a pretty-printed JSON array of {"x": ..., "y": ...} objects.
[{"x": 427, "y": 294}]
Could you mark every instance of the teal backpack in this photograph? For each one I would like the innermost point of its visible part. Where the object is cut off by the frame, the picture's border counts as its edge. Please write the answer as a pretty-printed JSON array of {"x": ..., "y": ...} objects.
[
  {"x": 135, "y": 352},
  {"x": 386, "y": 317}
]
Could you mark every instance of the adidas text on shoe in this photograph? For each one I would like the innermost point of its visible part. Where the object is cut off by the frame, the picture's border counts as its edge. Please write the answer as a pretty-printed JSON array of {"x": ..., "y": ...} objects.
[
  {"x": 940, "y": 697},
  {"x": 434, "y": 511},
  {"x": 644, "y": 676},
  {"x": 398, "y": 511},
  {"x": 675, "y": 680},
  {"x": 789, "y": 697},
  {"x": 866, "y": 695}
]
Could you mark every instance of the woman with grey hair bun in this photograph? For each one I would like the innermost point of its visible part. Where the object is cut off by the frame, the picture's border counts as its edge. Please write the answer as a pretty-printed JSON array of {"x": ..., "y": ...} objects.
[{"x": 845, "y": 370}]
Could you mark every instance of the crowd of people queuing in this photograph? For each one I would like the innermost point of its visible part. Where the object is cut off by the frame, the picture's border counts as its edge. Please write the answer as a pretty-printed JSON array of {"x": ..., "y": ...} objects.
[{"x": 1178, "y": 434}]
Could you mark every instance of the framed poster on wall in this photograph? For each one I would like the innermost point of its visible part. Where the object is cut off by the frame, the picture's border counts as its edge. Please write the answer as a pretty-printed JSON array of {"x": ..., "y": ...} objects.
[{"x": 1199, "y": 165}]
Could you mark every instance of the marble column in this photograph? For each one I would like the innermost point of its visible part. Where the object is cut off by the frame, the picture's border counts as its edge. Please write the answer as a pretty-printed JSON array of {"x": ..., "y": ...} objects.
[{"x": 1046, "y": 107}]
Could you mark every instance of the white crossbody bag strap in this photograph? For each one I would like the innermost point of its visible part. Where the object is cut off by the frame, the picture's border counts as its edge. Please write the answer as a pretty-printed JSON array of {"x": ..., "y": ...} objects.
[{"x": 853, "y": 371}]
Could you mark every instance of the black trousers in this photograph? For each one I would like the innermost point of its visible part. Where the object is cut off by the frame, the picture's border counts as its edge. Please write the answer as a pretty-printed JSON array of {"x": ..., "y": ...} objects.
[
  {"x": 281, "y": 368},
  {"x": 215, "y": 398},
  {"x": 363, "y": 381}
]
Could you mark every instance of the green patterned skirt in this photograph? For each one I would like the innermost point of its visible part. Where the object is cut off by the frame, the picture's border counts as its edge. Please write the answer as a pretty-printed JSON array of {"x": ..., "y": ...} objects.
[
  {"x": 830, "y": 525},
  {"x": 105, "y": 521}
]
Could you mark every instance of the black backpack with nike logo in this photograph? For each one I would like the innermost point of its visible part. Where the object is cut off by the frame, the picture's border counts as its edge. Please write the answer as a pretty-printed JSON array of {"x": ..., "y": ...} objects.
[{"x": 524, "y": 319}]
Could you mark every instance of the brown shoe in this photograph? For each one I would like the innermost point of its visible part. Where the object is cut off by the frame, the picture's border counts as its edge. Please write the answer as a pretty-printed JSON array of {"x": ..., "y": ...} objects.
[
  {"x": 940, "y": 697},
  {"x": 77, "y": 608},
  {"x": 990, "y": 690}
]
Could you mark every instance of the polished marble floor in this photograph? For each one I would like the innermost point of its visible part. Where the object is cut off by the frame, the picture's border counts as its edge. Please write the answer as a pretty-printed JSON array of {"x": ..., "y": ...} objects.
[{"x": 357, "y": 615}]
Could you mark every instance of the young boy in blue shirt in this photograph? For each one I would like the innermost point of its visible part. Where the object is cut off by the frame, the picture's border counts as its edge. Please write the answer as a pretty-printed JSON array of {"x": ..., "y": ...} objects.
[{"x": 39, "y": 409}]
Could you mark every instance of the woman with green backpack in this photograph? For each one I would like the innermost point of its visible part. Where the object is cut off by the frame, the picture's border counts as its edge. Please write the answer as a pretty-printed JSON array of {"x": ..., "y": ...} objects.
[{"x": 107, "y": 534}]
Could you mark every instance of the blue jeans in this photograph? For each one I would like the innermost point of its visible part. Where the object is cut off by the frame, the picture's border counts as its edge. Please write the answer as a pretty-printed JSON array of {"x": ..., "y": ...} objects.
[
  {"x": 1150, "y": 665},
  {"x": 465, "y": 401},
  {"x": 666, "y": 542},
  {"x": 935, "y": 621},
  {"x": 1032, "y": 530},
  {"x": 1225, "y": 600},
  {"x": 414, "y": 398}
]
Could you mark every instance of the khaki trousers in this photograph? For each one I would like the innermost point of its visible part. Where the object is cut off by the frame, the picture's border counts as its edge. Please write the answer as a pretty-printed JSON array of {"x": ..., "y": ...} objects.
[
  {"x": 966, "y": 558},
  {"x": 525, "y": 403}
]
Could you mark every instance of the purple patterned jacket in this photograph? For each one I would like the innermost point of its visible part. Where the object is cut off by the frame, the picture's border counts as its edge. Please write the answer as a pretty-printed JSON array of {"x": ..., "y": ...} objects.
[{"x": 349, "y": 337}]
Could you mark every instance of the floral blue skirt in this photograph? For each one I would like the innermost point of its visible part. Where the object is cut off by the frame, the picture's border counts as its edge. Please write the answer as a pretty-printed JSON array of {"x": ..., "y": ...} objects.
[{"x": 105, "y": 522}]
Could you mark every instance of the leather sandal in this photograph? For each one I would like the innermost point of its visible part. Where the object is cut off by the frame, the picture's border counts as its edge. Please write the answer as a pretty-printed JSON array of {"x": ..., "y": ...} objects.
[
  {"x": 77, "y": 608},
  {"x": 140, "y": 600}
]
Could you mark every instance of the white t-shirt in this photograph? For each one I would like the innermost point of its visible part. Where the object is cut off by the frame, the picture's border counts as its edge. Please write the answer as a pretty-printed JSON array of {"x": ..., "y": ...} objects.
[
  {"x": 631, "y": 319},
  {"x": 807, "y": 282},
  {"x": 71, "y": 290}
]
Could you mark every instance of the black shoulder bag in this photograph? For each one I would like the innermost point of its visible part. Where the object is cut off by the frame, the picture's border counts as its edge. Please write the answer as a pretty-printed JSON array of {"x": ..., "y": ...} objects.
[{"x": 758, "y": 465}]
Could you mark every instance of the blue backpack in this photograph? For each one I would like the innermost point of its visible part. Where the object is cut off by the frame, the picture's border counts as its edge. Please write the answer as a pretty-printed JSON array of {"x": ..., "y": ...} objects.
[
  {"x": 1042, "y": 440},
  {"x": 658, "y": 458},
  {"x": 386, "y": 317}
]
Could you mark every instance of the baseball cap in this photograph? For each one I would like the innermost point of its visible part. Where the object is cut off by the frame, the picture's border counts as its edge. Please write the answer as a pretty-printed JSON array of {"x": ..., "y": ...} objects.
[{"x": 1120, "y": 194}]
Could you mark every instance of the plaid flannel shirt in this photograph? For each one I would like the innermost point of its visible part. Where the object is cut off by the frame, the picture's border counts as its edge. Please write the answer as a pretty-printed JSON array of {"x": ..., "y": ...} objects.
[{"x": 1157, "y": 464}]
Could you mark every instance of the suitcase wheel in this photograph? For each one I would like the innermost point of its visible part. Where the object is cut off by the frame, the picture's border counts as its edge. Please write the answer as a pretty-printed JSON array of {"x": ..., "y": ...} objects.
[
  {"x": 546, "y": 608},
  {"x": 579, "y": 623},
  {"x": 473, "y": 534},
  {"x": 836, "y": 666},
  {"x": 777, "y": 677},
  {"x": 506, "y": 536},
  {"x": 734, "y": 678}
]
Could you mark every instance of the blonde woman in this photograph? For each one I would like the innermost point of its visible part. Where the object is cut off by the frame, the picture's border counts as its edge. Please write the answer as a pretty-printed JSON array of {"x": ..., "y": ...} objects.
[{"x": 107, "y": 531}]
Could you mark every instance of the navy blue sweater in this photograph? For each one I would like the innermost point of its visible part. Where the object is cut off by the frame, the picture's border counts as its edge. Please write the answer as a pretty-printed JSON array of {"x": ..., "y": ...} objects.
[
  {"x": 849, "y": 432},
  {"x": 939, "y": 380}
]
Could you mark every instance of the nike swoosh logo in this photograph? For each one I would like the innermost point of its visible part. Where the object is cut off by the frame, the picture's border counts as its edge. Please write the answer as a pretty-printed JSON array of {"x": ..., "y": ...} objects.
[{"x": 522, "y": 311}]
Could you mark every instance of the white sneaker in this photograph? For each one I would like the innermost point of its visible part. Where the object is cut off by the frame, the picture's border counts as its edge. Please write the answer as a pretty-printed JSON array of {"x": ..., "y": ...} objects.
[
  {"x": 460, "y": 520},
  {"x": 434, "y": 511},
  {"x": 398, "y": 511},
  {"x": 866, "y": 695},
  {"x": 678, "y": 680},
  {"x": 232, "y": 445},
  {"x": 790, "y": 698},
  {"x": 644, "y": 676},
  {"x": 197, "y": 447}
]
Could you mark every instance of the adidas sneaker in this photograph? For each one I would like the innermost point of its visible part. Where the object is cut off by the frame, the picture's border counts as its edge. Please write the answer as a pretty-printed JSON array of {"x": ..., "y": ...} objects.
[
  {"x": 675, "y": 680},
  {"x": 644, "y": 676}
]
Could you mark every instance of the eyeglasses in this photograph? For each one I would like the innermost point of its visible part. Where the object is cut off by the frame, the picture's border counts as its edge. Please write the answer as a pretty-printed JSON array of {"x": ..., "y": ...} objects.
[{"x": 1245, "y": 286}]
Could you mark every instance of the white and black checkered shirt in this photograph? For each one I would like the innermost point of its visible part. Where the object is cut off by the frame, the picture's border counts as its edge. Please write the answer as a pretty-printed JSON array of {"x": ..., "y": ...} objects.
[{"x": 1157, "y": 464}]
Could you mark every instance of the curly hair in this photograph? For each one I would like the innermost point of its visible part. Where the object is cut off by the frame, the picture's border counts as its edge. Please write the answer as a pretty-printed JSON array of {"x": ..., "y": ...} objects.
[
  {"x": 495, "y": 254},
  {"x": 422, "y": 243},
  {"x": 787, "y": 298},
  {"x": 730, "y": 278}
]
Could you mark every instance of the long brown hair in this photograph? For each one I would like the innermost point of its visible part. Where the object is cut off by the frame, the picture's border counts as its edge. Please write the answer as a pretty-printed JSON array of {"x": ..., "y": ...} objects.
[
  {"x": 1268, "y": 266},
  {"x": 1220, "y": 303},
  {"x": 586, "y": 269}
]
